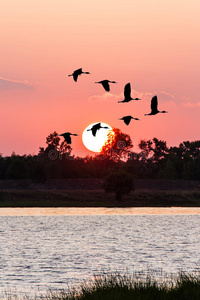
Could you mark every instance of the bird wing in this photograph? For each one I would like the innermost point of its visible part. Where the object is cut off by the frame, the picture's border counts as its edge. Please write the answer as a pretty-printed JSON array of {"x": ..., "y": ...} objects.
[
  {"x": 94, "y": 131},
  {"x": 67, "y": 138},
  {"x": 154, "y": 103},
  {"x": 106, "y": 85},
  {"x": 76, "y": 73},
  {"x": 75, "y": 76},
  {"x": 95, "y": 128},
  {"x": 79, "y": 71},
  {"x": 127, "y": 90},
  {"x": 127, "y": 120}
]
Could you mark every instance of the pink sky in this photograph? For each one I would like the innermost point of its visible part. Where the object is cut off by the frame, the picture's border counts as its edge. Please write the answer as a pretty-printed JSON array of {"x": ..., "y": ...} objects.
[{"x": 154, "y": 45}]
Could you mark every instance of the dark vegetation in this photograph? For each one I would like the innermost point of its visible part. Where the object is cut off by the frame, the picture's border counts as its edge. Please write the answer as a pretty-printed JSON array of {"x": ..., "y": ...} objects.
[
  {"x": 154, "y": 160},
  {"x": 126, "y": 287},
  {"x": 121, "y": 183},
  {"x": 98, "y": 198}
]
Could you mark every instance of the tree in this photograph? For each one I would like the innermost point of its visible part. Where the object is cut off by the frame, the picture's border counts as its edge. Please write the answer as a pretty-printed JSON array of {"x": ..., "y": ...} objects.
[
  {"x": 168, "y": 171},
  {"x": 3, "y": 167},
  {"x": 120, "y": 183},
  {"x": 39, "y": 172},
  {"x": 188, "y": 170},
  {"x": 54, "y": 148},
  {"x": 191, "y": 149},
  {"x": 154, "y": 150},
  {"x": 118, "y": 145},
  {"x": 146, "y": 147},
  {"x": 18, "y": 169}
]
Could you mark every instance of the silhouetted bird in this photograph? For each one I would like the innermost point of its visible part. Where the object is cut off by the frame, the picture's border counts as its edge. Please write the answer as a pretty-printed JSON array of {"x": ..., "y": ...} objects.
[
  {"x": 96, "y": 127},
  {"x": 127, "y": 119},
  {"x": 67, "y": 136},
  {"x": 78, "y": 72},
  {"x": 105, "y": 84},
  {"x": 127, "y": 94},
  {"x": 154, "y": 107}
]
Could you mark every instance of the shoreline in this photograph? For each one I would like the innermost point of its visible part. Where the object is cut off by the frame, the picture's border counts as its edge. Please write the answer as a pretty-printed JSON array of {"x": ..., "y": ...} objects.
[
  {"x": 100, "y": 211},
  {"x": 136, "y": 285}
]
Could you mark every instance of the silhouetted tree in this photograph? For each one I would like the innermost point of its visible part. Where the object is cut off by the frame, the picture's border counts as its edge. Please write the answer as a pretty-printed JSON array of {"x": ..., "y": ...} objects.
[
  {"x": 146, "y": 149},
  {"x": 155, "y": 160},
  {"x": 53, "y": 139},
  {"x": 39, "y": 172},
  {"x": 136, "y": 167},
  {"x": 17, "y": 169},
  {"x": 188, "y": 170},
  {"x": 168, "y": 171},
  {"x": 118, "y": 146},
  {"x": 2, "y": 167},
  {"x": 120, "y": 183},
  {"x": 54, "y": 148},
  {"x": 154, "y": 150},
  {"x": 187, "y": 159}
]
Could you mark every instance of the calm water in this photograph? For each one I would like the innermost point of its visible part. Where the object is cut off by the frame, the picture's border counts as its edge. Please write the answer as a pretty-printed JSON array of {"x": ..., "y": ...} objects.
[{"x": 42, "y": 251}]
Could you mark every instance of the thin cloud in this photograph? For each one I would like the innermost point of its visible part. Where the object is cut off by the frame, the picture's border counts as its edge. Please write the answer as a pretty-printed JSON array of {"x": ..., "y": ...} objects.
[
  {"x": 186, "y": 99},
  {"x": 189, "y": 104},
  {"x": 135, "y": 94},
  {"x": 110, "y": 96},
  {"x": 105, "y": 96},
  {"x": 148, "y": 95},
  {"x": 167, "y": 94},
  {"x": 142, "y": 95},
  {"x": 167, "y": 97},
  {"x": 9, "y": 84}
]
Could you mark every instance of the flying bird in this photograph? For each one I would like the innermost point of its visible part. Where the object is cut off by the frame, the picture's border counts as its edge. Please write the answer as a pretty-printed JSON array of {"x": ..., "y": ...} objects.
[
  {"x": 127, "y": 119},
  {"x": 96, "y": 127},
  {"x": 78, "y": 72},
  {"x": 127, "y": 94},
  {"x": 105, "y": 84},
  {"x": 67, "y": 136},
  {"x": 154, "y": 107}
]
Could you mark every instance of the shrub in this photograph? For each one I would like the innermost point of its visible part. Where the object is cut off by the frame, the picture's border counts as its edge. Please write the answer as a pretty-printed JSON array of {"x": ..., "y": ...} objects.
[{"x": 121, "y": 183}]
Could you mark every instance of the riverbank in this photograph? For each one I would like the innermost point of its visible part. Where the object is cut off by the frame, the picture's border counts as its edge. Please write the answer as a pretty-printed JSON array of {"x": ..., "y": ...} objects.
[
  {"x": 95, "y": 184},
  {"x": 183, "y": 286},
  {"x": 98, "y": 198},
  {"x": 115, "y": 286}
]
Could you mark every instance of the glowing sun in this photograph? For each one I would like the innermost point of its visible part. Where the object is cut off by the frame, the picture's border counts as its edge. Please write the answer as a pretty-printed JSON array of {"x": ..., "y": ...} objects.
[{"x": 95, "y": 136}]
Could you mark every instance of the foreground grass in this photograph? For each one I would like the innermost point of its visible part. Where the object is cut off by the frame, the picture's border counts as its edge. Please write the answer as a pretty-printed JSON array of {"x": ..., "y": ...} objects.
[
  {"x": 98, "y": 198},
  {"x": 117, "y": 287}
]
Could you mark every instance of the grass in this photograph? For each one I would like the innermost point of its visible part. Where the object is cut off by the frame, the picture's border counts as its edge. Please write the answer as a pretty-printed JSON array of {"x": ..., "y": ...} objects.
[
  {"x": 125, "y": 287},
  {"x": 98, "y": 198}
]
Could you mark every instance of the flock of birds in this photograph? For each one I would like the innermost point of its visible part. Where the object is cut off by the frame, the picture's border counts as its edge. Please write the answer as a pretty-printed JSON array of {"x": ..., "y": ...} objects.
[{"x": 127, "y": 97}]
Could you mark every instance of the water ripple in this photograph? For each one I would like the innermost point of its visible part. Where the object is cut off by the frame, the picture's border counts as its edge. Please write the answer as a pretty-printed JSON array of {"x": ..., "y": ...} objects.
[{"x": 39, "y": 252}]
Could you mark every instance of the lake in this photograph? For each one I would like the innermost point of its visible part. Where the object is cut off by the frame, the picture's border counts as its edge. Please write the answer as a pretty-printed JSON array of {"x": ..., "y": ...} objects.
[{"x": 44, "y": 248}]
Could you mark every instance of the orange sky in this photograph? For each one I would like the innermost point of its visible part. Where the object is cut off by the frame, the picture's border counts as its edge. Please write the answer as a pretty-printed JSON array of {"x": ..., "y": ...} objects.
[{"x": 154, "y": 45}]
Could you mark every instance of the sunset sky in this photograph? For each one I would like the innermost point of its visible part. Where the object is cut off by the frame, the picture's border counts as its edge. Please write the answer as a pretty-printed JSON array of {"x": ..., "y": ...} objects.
[{"x": 154, "y": 45}]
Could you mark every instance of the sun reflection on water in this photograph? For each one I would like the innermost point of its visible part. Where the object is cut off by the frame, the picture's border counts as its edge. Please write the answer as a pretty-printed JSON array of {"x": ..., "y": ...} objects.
[{"x": 64, "y": 211}]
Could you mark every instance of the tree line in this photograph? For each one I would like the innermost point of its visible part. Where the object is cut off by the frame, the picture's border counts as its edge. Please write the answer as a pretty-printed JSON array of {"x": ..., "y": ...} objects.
[{"x": 154, "y": 160}]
